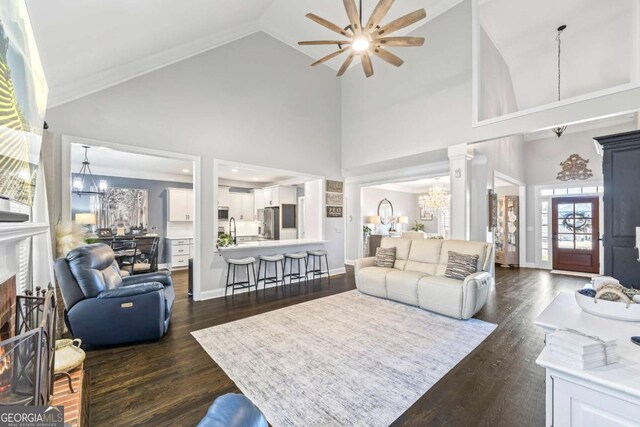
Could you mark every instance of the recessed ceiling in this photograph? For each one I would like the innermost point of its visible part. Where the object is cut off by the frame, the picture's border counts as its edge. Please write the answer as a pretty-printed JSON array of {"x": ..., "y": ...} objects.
[
  {"x": 104, "y": 161},
  {"x": 596, "y": 46},
  {"x": 250, "y": 174},
  {"x": 88, "y": 46},
  {"x": 417, "y": 187}
]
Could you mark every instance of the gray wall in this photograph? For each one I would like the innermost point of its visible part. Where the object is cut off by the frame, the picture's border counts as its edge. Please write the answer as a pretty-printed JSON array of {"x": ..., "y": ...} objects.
[
  {"x": 254, "y": 101},
  {"x": 157, "y": 202}
]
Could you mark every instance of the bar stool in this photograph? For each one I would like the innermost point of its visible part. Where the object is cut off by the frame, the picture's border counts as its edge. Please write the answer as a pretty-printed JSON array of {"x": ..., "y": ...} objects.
[
  {"x": 246, "y": 284},
  {"x": 312, "y": 256},
  {"x": 299, "y": 257},
  {"x": 270, "y": 260}
]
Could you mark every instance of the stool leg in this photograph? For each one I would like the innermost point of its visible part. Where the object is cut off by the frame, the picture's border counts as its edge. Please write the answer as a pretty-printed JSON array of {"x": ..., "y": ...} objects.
[
  {"x": 326, "y": 261},
  {"x": 255, "y": 279},
  {"x": 282, "y": 264},
  {"x": 228, "y": 277},
  {"x": 259, "y": 268},
  {"x": 233, "y": 288}
]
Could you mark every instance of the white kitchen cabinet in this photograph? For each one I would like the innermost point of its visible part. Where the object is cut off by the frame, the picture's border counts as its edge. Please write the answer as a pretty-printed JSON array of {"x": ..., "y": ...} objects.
[
  {"x": 258, "y": 201},
  {"x": 280, "y": 195},
  {"x": 178, "y": 253},
  {"x": 180, "y": 201},
  {"x": 223, "y": 197},
  {"x": 241, "y": 206}
]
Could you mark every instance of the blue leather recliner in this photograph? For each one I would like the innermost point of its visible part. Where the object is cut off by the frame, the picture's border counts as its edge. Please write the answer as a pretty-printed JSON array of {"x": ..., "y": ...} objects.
[
  {"x": 233, "y": 410},
  {"x": 103, "y": 308}
]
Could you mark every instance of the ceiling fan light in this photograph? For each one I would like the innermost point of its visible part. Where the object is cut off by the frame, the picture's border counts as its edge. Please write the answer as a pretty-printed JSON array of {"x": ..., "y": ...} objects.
[{"x": 361, "y": 43}]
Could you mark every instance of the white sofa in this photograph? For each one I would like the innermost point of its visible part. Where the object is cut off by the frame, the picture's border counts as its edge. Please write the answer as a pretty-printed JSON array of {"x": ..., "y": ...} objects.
[{"x": 418, "y": 279}]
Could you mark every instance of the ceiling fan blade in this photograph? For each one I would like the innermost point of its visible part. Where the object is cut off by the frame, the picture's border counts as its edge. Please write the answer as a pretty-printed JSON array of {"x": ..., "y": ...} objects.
[
  {"x": 402, "y": 22},
  {"x": 327, "y": 24},
  {"x": 400, "y": 41},
  {"x": 328, "y": 57},
  {"x": 323, "y": 42},
  {"x": 345, "y": 65},
  {"x": 378, "y": 13},
  {"x": 366, "y": 64},
  {"x": 388, "y": 56},
  {"x": 352, "y": 14}
]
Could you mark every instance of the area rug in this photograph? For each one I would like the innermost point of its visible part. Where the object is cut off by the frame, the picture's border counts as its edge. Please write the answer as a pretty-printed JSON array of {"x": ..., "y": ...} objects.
[{"x": 344, "y": 360}]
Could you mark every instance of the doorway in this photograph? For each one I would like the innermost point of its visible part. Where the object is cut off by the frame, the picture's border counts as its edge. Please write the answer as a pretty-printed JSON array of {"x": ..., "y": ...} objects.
[{"x": 575, "y": 233}]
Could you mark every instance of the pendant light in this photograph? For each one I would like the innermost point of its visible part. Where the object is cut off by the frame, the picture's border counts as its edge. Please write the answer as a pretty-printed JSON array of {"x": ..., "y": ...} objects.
[
  {"x": 560, "y": 129},
  {"x": 436, "y": 200},
  {"x": 81, "y": 178}
]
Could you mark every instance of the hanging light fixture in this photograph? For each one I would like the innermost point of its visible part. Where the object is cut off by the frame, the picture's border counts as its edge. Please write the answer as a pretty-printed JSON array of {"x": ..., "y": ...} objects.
[
  {"x": 81, "y": 178},
  {"x": 560, "y": 129},
  {"x": 436, "y": 200}
]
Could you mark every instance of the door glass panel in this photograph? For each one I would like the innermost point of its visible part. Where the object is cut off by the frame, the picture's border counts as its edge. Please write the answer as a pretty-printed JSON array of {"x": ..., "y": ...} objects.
[
  {"x": 566, "y": 225},
  {"x": 583, "y": 209},
  {"x": 565, "y": 208},
  {"x": 584, "y": 241},
  {"x": 565, "y": 241},
  {"x": 584, "y": 226}
]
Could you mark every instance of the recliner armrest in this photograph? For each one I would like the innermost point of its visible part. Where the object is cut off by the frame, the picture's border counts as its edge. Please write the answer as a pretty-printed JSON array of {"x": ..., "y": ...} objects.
[
  {"x": 475, "y": 290},
  {"x": 163, "y": 277},
  {"x": 132, "y": 290},
  {"x": 364, "y": 262}
]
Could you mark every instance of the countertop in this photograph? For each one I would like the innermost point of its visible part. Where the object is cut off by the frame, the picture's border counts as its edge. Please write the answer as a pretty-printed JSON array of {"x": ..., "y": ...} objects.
[{"x": 248, "y": 246}]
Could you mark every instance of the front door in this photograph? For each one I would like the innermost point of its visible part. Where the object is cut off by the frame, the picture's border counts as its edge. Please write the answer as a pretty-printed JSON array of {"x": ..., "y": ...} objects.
[{"x": 576, "y": 245}]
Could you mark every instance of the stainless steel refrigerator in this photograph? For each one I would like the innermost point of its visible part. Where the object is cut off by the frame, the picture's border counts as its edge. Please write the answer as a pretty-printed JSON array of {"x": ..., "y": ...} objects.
[{"x": 271, "y": 223}]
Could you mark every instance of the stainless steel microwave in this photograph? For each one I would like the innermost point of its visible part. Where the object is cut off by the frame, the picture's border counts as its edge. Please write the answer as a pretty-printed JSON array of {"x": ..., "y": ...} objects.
[{"x": 223, "y": 213}]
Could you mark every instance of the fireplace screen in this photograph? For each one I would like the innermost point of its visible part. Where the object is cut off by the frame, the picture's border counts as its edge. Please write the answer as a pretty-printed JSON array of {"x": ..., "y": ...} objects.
[{"x": 26, "y": 360}]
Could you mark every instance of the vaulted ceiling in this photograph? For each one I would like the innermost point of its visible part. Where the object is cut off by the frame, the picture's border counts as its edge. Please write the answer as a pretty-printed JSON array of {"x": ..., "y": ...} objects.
[{"x": 88, "y": 46}]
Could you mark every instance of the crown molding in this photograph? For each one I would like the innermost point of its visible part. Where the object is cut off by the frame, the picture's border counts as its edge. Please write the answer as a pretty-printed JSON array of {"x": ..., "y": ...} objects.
[{"x": 82, "y": 87}]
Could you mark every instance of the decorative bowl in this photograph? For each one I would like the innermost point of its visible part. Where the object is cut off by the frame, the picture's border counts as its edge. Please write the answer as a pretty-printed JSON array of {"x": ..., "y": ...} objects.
[{"x": 609, "y": 309}]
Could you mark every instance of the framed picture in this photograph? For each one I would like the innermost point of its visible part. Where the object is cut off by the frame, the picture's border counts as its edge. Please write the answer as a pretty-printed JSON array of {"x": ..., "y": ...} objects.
[
  {"x": 104, "y": 232},
  {"x": 334, "y": 211},
  {"x": 334, "y": 199},
  {"x": 335, "y": 186},
  {"x": 425, "y": 215},
  {"x": 493, "y": 210},
  {"x": 136, "y": 231}
]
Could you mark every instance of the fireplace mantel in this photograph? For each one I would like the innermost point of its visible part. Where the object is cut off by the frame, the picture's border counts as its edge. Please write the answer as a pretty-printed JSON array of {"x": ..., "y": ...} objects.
[{"x": 12, "y": 232}]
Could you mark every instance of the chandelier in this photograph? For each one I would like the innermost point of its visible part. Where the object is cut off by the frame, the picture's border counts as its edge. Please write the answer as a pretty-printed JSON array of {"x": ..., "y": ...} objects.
[
  {"x": 560, "y": 129},
  {"x": 79, "y": 179},
  {"x": 436, "y": 200}
]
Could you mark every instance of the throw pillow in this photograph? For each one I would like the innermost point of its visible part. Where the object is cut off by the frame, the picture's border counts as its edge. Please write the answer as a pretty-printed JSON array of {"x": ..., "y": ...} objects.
[
  {"x": 385, "y": 257},
  {"x": 459, "y": 266}
]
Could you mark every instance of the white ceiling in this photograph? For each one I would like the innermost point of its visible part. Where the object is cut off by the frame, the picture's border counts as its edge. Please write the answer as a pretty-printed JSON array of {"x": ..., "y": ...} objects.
[
  {"x": 417, "y": 187},
  {"x": 104, "y": 161},
  {"x": 596, "y": 46},
  {"x": 88, "y": 46}
]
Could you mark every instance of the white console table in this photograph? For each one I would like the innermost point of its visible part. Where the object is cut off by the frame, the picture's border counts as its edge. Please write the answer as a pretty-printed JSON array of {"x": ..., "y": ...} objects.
[{"x": 606, "y": 396}]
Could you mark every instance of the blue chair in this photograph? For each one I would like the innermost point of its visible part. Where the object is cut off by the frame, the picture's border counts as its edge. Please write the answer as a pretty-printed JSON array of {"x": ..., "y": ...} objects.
[
  {"x": 104, "y": 308},
  {"x": 233, "y": 410}
]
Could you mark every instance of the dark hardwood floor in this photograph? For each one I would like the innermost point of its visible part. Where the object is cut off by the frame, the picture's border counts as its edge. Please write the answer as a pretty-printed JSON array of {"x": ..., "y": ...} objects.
[{"x": 171, "y": 382}]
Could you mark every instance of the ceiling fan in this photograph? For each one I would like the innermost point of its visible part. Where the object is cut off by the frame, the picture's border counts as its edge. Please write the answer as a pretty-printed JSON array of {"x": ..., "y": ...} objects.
[{"x": 369, "y": 39}]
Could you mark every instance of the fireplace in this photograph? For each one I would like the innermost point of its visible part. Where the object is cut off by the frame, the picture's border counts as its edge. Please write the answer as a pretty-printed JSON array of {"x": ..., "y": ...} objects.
[{"x": 7, "y": 329}]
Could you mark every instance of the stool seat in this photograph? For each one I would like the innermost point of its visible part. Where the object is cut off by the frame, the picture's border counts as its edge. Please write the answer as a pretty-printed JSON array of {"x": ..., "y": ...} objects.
[
  {"x": 242, "y": 261},
  {"x": 273, "y": 258},
  {"x": 296, "y": 255},
  {"x": 319, "y": 252}
]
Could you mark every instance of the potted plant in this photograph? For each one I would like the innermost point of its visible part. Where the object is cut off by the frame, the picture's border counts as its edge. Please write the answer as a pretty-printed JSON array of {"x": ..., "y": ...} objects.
[
  {"x": 366, "y": 231},
  {"x": 224, "y": 240},
  {"x": 417, "y": 226}
]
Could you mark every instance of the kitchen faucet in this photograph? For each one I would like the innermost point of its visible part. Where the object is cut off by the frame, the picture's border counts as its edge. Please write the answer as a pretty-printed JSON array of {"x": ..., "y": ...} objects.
[{"x": 235, "y": 231}]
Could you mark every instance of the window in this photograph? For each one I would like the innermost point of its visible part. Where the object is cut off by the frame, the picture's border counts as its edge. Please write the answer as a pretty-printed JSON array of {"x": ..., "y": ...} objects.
[
  {"x": 544, "y": 230},
  {"x": 24, "y": 266},
  {"x": 443, "y": 224}
]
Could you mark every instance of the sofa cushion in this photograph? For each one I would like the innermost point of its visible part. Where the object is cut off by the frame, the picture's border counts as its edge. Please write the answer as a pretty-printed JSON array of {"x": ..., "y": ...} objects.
[
  {"x": 460, "y": 265},
  {"x": 441, "y": 295},
  {"x": 385, "y": 257},
  {"x": 402, "y": 249},
  {"x": 424, "y": 256},
  {"x": 402, "y": 286},
  {"x": 462, "y": 247},
  {"x": 372, "y": 281}
]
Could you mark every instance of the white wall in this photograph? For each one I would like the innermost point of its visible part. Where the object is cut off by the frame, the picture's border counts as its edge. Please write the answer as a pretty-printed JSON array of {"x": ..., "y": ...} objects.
[
  {"x": 404, "y": 204},
  {"x": 253, "y": 101},
  {"x": 426, "y": 104}
]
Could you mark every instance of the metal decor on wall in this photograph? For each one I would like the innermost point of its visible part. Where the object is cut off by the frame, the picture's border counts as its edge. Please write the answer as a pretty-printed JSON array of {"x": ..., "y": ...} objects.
[
  {"x": 574, "y": 168},
  {"x": 493, "y": 210},
  {"x": 122, "y": 207}
]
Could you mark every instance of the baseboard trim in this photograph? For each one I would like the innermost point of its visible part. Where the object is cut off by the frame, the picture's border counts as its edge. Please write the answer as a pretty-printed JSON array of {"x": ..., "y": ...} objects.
[
  {"x": 350, "y": 262},
  {"x": 219, "y": 293}
]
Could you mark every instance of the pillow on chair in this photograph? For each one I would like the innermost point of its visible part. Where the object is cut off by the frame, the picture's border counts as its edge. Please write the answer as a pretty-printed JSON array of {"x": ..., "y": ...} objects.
[
  {"x": 459, "y": 266},
  {"x": 385, "y": 257}
]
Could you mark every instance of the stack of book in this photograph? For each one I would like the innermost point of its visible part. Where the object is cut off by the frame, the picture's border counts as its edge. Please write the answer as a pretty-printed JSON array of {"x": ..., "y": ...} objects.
[{"x": 581, "y": 350}]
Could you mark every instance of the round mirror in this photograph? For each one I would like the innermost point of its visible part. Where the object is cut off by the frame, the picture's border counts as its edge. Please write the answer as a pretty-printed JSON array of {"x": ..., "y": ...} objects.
[{"x": 385, "y": 211}]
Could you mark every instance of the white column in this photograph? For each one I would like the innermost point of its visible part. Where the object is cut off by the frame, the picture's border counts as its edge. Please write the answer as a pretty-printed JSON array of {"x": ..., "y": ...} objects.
[{"x": 460, "y": 171}]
